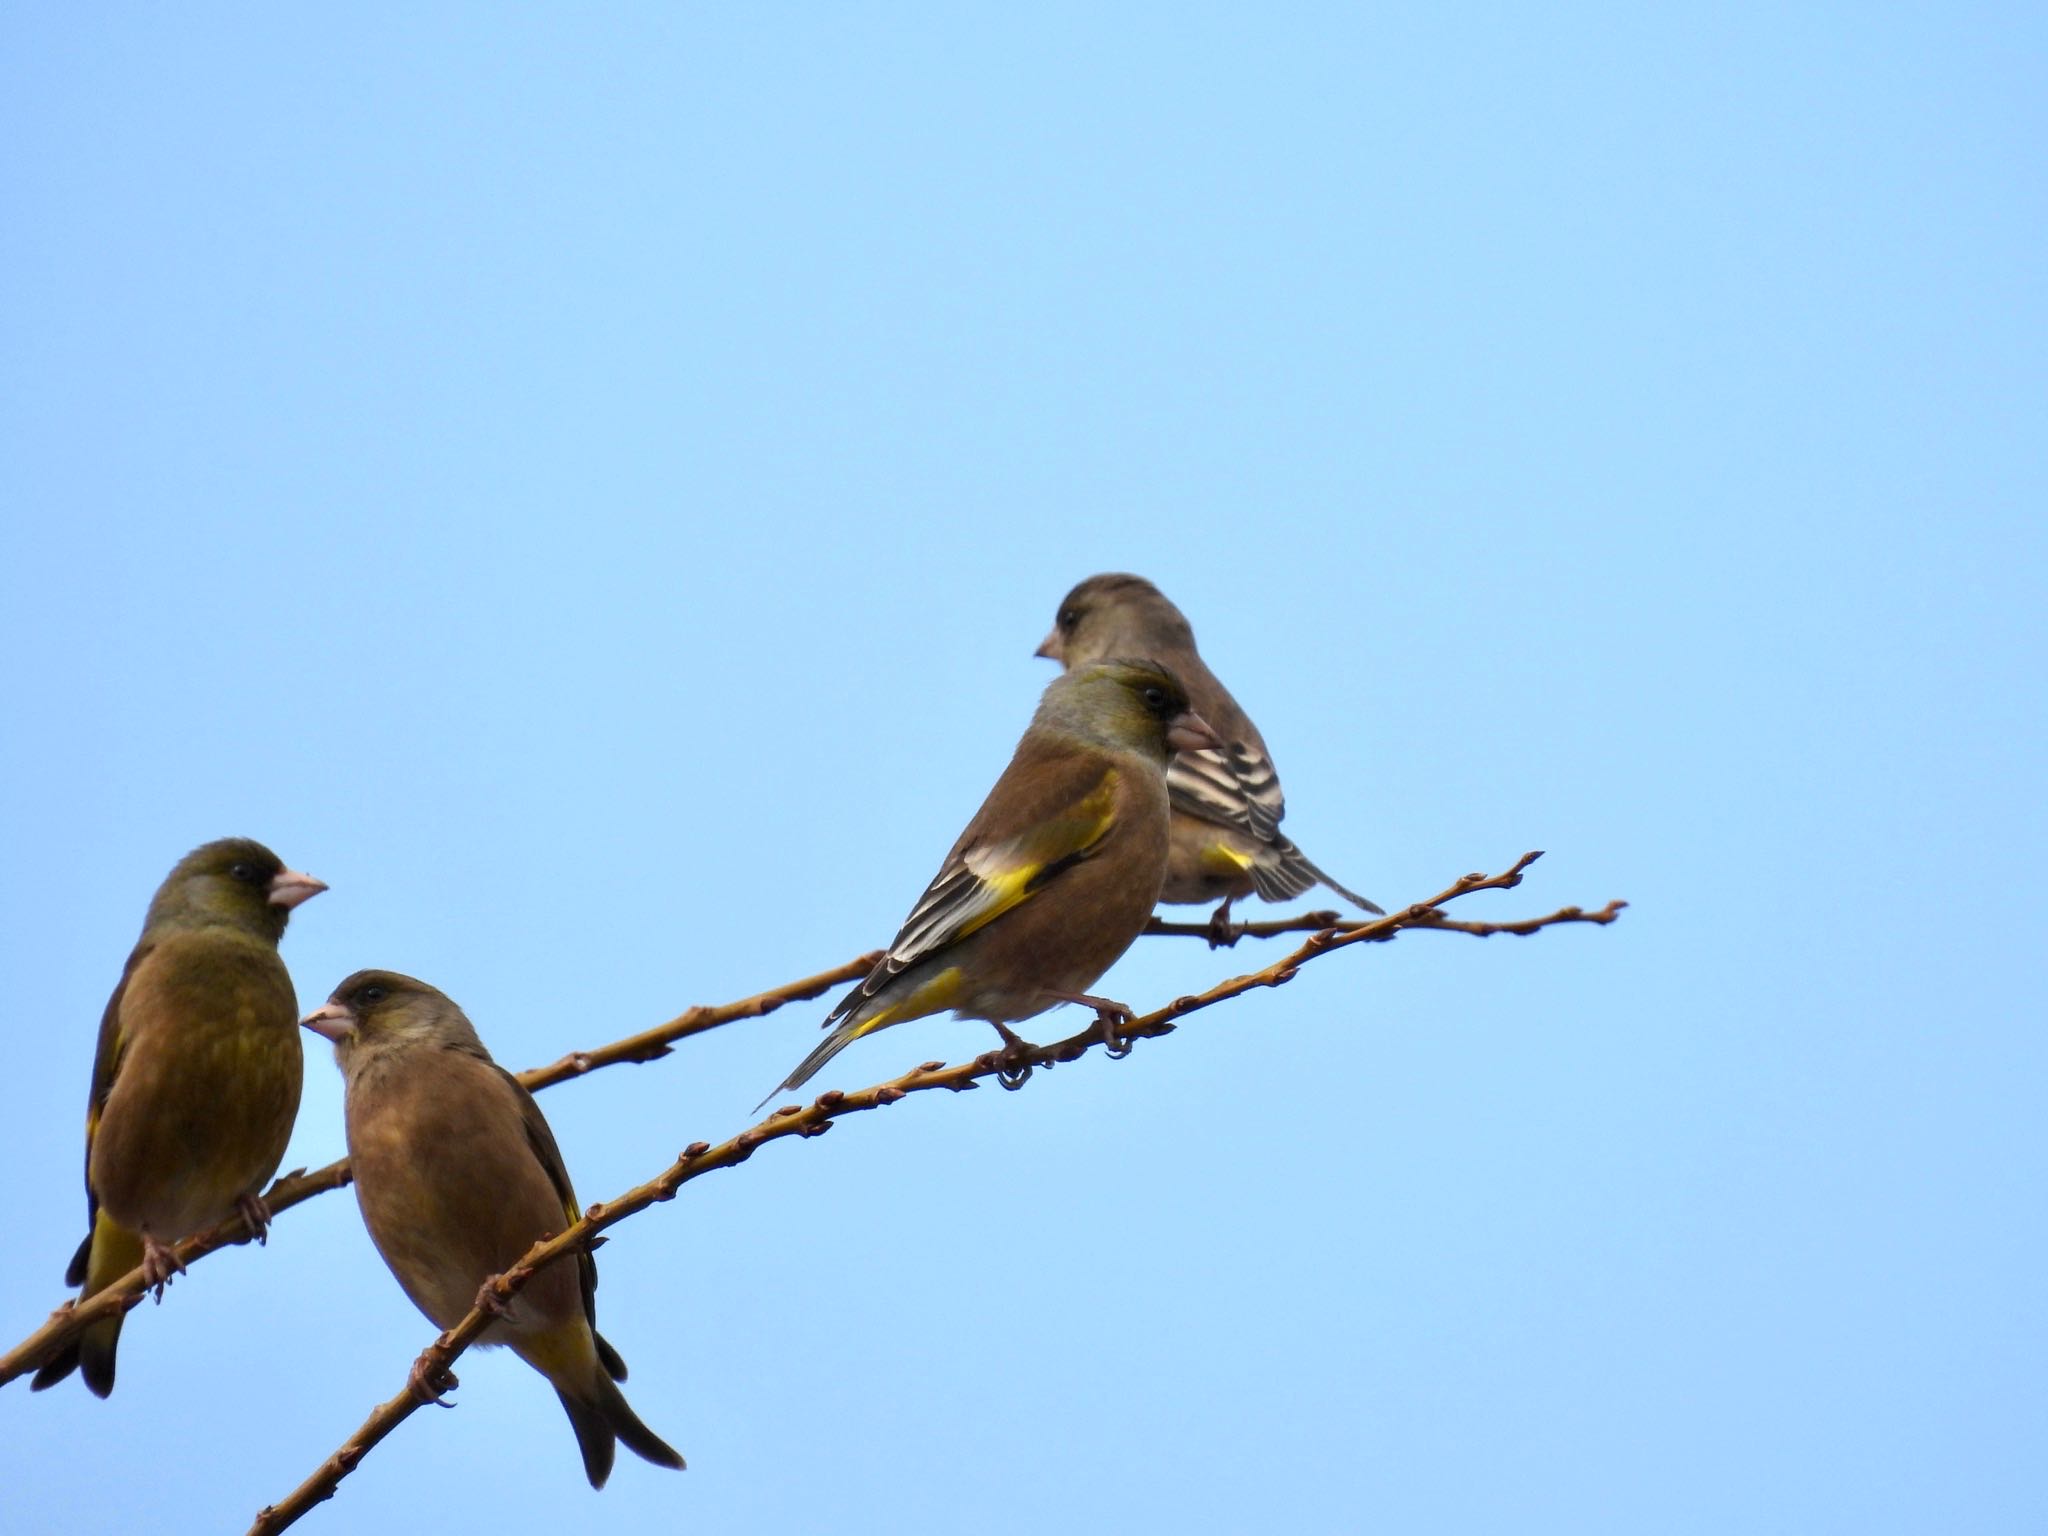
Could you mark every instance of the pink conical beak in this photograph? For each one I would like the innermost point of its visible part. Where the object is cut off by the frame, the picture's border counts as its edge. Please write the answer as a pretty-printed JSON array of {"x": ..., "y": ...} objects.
[
  {"x": 1051, "y": 649},
  {"x": 288, "y": 888},
  {"x": 331, "y": 1020}
]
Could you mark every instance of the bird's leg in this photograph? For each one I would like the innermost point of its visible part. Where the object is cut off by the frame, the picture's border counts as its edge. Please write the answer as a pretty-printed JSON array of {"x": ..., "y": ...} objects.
[
  {"x": 1222, "y": 935},
  {"x": 1110, "y": 1014},
  {"x": 1013, "y": 1061},
  {"x": 257, "y": 1214},
  {"x": 429, "y": 1381},
  {"x": 158, "y": 1265}
]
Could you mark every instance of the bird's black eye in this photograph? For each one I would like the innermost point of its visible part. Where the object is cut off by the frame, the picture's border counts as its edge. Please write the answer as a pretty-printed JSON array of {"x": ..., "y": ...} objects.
[
  {"x": 1069, "y": 617},
  {"x": 244, "y": 872},
  {"x": 1155, "y": 699},
  {"x": 373, "y": 993}
]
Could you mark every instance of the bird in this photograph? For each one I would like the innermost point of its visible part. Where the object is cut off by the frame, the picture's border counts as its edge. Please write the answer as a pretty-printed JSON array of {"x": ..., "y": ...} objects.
[
  {"x": 1054, "y": 876},
  {"x": 195, "y": 1083},
  {"x": 1227, "y": 802},
  {"x": 457, "y": 1174}
]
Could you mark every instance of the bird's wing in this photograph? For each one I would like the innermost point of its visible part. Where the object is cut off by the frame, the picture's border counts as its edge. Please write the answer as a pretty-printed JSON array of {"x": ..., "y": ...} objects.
[
  {"x": 1235, "y": 785},
  {"x": 1068, "y": 812},
  {"x": 1238, "y": 788},
  {"x": 549, "y": 1155},
  {"x": 106, "y": 1063}
]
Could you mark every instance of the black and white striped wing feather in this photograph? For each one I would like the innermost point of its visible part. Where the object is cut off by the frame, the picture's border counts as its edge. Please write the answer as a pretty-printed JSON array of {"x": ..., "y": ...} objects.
[{"x": 1236, "y": 786}]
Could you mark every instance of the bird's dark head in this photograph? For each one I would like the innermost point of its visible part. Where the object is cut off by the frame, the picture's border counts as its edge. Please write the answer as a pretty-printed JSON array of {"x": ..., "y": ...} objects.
[
  {"x": 1126, "y": 704},
  {"x": 1114, "y": 614},
  {"x": 235, "y": 881},
  {"x": 377, "y": 1011}
]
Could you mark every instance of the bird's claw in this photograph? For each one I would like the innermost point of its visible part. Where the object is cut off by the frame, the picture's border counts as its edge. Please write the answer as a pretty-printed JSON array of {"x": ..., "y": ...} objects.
[
  {"x": 158, "y": 1265},
  {"x": 256, "y": 1212},
  {"x": 1223, "y": 933},
  {"x": 1013, "y": 1061},
  {"x": 1114, "y": 1045},
  {"x": 1110, "y": 1017},
  {"x": 489, "y": 1302},
  {"x": 429, "y": 1382}
]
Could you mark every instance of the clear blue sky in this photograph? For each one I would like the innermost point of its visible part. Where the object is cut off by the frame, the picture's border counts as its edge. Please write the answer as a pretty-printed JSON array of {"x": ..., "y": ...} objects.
[{"x": 588, "y": 486}]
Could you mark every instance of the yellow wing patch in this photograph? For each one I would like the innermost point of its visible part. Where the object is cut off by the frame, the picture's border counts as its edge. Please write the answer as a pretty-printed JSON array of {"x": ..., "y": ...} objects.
[
  {"x": 1222, "y": 859},
  {"x": 979, "y": 886},
  {"x": 934, "y": 995},
  {"x": 1062, "y": 838}
]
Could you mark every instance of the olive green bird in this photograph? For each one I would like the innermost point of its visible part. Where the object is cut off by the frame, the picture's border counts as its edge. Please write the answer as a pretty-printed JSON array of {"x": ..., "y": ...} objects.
[
  {"x": 196, "y": 1081},
  {"x": 457, "y": 1175},
  {"x": 1227, "y": 802},
  {"x": 1054, "y": 877}
]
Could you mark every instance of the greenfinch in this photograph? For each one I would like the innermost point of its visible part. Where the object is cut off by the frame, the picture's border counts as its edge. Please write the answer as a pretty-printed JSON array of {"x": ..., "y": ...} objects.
[
  {"x": 457, "y": 1175},
  {"x": 196, "y": 1081},
  {"x": 1055, "y": 875},
  {"x": 1227, "y": 804}
]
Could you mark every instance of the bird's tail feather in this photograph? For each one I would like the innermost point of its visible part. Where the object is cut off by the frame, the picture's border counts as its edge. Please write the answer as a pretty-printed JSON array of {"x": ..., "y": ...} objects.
[
  {"x": 826, "y": 1049},
  {"x": 1290, "y": 872},
  {"x": 108, "y": 1253},
  {"x": 601, "y": 1420},
  {"x": 594, "y": 1438}
]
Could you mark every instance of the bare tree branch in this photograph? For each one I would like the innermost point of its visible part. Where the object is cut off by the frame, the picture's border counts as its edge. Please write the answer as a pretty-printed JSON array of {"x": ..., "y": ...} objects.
[
  {"x": 1013, "y": 1067},
  {"x": 298, "y": 1186}
]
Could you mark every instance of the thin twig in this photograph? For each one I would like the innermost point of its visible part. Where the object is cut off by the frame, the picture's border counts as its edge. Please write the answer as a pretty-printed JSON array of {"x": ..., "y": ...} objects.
[
  {"x": 298, "y": 1186},
  {"x": 816, "y": 1118},
  {"x": 1261, "y": 928}
]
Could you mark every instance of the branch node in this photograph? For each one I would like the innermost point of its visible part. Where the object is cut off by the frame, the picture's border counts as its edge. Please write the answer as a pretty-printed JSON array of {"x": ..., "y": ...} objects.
[
  {"x": 694, "y": 1150},
  {"x": 886, "y": 1095}
]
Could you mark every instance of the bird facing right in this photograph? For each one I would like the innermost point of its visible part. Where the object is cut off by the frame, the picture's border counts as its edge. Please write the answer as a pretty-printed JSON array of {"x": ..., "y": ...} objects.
[
  {"x": 196, "y": 1081},
  {"x": 1227, "y": 802},
  {"x": 1055, "y": 875}
]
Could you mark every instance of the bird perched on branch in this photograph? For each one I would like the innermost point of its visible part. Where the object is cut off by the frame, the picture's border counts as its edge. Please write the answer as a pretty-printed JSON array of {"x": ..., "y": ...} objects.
[
  {"x": 457, "y": 1175},
  {"x": 1055, "y": 875},
  {"x": 196, "y": 1081},
  {"x": 1227, "y": 803}
]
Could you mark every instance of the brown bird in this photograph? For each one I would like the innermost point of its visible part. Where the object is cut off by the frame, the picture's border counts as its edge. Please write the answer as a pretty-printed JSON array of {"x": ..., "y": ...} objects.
[
  {"x": 1227, "y": 802},
  {"x": 196, "y": 1081},
  {"x": 1055, "y": 875},
  {"x": 457, "y": 1175}
]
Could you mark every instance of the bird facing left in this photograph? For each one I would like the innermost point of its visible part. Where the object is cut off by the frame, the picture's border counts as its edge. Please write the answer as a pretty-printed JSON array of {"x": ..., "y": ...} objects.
[
  {"x": 457, "y": 1175},
  {"x": 195, "y": 1083}
]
